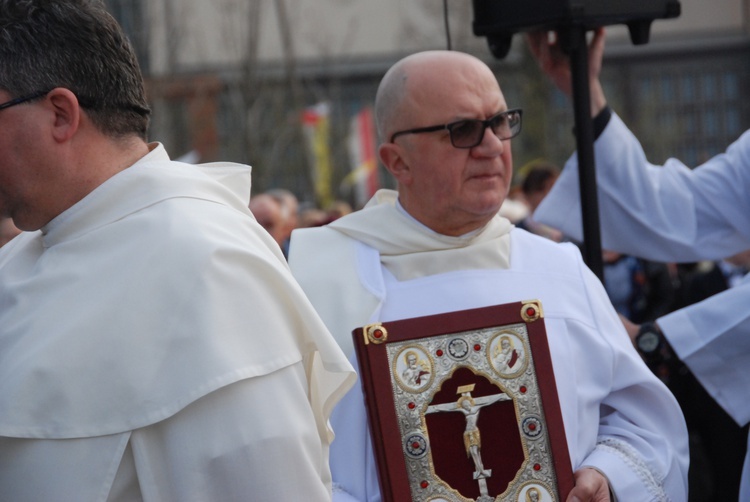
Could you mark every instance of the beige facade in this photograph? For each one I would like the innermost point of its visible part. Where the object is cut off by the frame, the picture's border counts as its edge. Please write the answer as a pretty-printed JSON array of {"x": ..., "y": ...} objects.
[{"x": 193, "y": 34}]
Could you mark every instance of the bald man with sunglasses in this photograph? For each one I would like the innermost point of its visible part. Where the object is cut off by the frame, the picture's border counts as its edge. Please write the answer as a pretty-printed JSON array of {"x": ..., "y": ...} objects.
[{"x": 438, "y": 244}]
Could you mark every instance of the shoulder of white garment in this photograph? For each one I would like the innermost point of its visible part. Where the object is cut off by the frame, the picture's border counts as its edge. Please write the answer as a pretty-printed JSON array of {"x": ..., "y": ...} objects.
[{"x": 171, "y": 291}]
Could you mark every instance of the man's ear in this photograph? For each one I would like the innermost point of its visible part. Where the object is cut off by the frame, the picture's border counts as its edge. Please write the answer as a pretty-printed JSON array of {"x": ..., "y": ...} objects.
[
  {"x": 392, "y": 157},
  {"x": 67, "y": 113}
]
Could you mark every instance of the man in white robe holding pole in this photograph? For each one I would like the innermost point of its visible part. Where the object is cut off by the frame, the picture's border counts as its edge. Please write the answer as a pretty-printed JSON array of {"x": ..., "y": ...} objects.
[
  {"x": 439, "y": 245},
  {"x": 153, "y": 344}
]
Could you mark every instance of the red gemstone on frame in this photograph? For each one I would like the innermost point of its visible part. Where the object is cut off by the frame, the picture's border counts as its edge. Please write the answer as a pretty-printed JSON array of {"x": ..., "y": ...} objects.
[
  {"x": 439, "y": 352},
  {"x": 477, "y": 347},
  {"x": 537, "y": 467},
  {"x": 377, "y": 333},
  {"x": 522, "y": 389},
  {"x": 424, "y": 484},
  {"x": 530, "y": 312},
  {"x": 412, "y": 406}
]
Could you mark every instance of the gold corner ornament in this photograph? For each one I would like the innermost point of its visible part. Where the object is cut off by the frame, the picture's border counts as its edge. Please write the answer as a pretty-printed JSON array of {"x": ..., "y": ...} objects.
[
  {"x": 531, "y": 310},
  {"x": 375, "y": 333}
]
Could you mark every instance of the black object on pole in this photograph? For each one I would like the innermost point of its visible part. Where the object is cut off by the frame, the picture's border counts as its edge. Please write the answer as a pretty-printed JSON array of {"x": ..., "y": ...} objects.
[{"x": 499, "y": 20}]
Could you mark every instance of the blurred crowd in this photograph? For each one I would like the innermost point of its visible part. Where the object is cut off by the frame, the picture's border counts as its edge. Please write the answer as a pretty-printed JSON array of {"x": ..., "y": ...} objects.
[{"x": 279, "y": 211}]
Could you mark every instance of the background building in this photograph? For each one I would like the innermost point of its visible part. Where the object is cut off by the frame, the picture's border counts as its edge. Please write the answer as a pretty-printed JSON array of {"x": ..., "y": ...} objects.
[{"x": 232, "y": 79}]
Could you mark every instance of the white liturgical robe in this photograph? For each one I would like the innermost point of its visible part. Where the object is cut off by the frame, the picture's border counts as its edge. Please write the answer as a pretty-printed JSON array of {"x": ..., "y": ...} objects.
[
  {"x": 154, "y": 346},
  {"x": 618, "y": 417}
]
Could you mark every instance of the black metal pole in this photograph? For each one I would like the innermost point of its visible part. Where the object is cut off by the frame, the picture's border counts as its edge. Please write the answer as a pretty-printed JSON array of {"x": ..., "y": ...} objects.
[{"x": 573, "y": 40}]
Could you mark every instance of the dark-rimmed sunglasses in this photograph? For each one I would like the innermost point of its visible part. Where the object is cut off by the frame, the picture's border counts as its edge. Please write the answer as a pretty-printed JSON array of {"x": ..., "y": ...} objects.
[
  {"x": 23, "y": 99},
  {"x": 468, "y": 133}
]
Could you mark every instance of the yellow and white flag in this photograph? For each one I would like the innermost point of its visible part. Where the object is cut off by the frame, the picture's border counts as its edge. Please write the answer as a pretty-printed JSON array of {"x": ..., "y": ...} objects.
[{"x": 316, "y": 127}]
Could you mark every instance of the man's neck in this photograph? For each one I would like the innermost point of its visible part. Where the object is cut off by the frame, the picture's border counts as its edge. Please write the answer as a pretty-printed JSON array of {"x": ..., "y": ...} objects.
[
  {"x": 86, "y": 169},
  {"x": 473, "y": 229}
]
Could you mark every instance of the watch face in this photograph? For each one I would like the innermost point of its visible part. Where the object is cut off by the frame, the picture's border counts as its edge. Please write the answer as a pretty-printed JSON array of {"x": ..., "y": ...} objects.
[{"x": 648, "y": 341}]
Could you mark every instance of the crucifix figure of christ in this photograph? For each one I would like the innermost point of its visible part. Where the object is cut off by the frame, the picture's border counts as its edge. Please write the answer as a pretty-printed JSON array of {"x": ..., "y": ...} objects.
[{"x": 471, "y": 407}]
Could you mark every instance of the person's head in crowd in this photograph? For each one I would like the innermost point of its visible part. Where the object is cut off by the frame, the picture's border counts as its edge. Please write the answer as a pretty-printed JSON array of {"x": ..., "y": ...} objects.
[
  {"x": 445, "y": 132},
  {"x": 538, "y": 181},
  {"x": 72, "y": 95},
  {"x": 337, "y": 209},
  {"x": 312, "y": 217},
  {"x": 289, "y": 209},
  {"x": 267, "y": 212}
]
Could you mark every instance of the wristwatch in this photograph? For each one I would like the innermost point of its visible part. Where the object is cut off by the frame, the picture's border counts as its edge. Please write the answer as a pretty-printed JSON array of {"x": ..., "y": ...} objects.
[{"x": 649, "y": 341}]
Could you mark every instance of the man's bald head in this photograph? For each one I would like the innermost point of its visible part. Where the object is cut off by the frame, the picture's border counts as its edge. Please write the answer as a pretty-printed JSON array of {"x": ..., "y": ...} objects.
[{"x": 415, "y": 73}]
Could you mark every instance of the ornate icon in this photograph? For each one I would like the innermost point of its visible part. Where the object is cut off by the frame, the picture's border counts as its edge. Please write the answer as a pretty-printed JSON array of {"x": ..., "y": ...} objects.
[
  {"x": 413, "y": 369},
  {"x": 507, "y": 354},
  {"x": 469, "y": 415}
]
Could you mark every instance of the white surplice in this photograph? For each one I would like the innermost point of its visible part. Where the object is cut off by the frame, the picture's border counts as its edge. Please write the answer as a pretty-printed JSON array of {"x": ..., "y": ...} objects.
[
  {"x": 618, "y": 417},
  {"x": 153, "y": 345}
]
